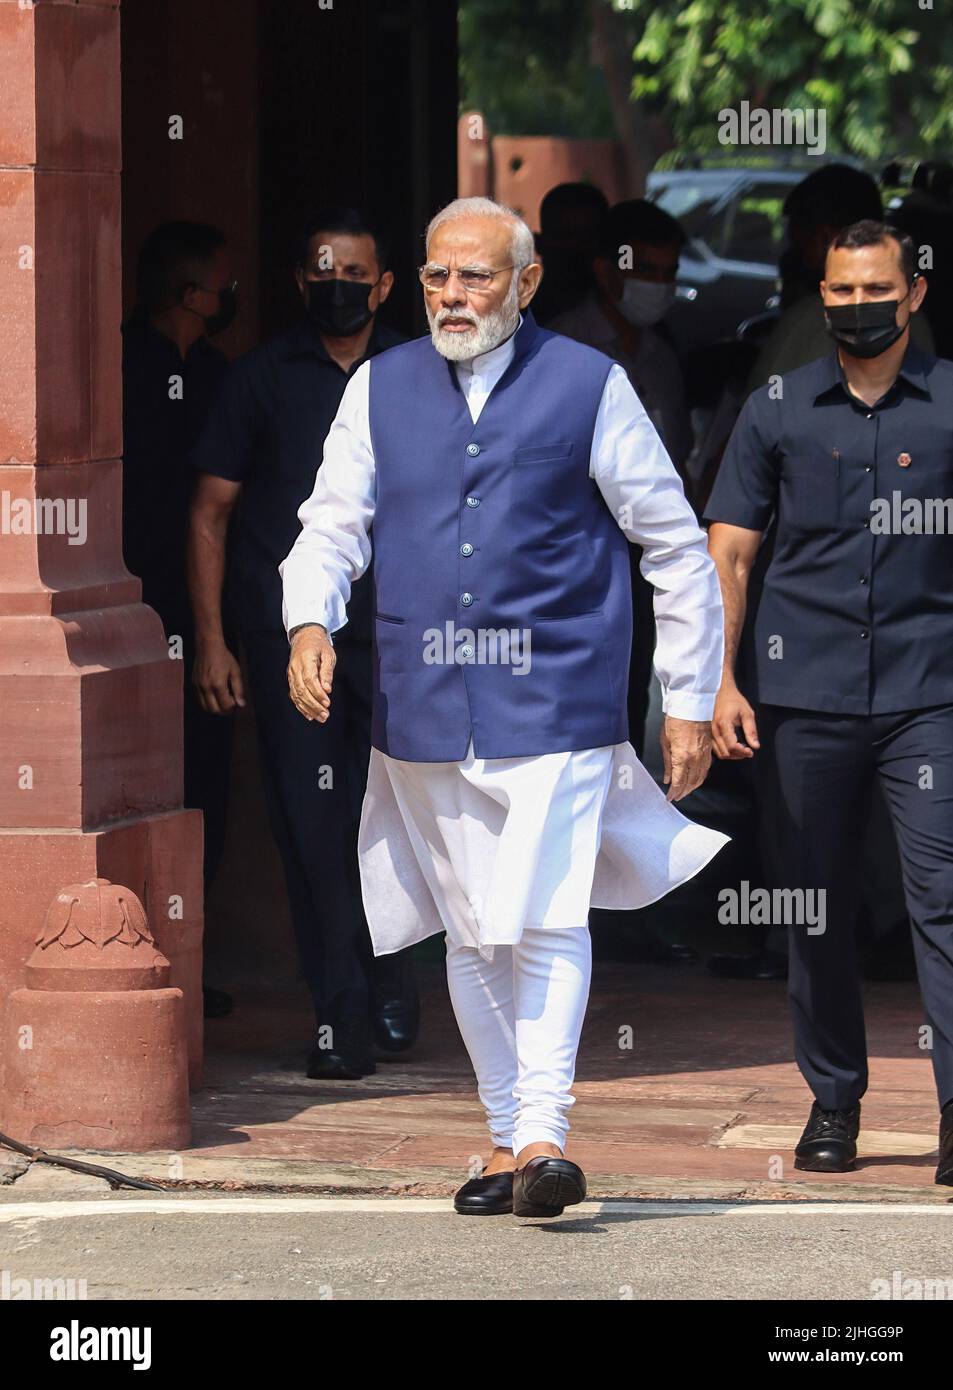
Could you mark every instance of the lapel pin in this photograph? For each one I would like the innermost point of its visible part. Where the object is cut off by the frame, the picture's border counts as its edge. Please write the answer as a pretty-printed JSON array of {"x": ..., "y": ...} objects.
[{"x": 904, "y": 460}]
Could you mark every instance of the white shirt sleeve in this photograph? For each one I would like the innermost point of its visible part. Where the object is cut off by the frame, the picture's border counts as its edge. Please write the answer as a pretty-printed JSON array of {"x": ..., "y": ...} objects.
[
  {"x": 333, "y": 547},
  {"x": 645, "y": 495}
]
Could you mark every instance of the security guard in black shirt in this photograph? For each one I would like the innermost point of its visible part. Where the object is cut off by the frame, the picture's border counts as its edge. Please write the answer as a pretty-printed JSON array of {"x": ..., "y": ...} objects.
[
  {"x": 262, "y": 445},
  {"x": 854, "y": 651},
  {"x": 170, "y": 374}
]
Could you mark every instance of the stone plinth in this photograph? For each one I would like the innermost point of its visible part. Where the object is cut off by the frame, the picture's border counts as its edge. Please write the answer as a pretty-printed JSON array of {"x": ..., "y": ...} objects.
[{"x": 93, "y": 1049}]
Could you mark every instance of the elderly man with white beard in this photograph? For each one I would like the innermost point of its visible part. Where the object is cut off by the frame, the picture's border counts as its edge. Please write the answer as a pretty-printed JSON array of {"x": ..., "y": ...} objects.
[{"x": 504, "y": 470}]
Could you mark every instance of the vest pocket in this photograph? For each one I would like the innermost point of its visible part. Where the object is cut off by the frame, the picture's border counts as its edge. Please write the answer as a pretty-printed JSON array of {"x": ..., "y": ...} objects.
[
  {"x": 390, "y": 641},
  {"x": 544, "y": 453},
  {"x": 569, "y": 657}
]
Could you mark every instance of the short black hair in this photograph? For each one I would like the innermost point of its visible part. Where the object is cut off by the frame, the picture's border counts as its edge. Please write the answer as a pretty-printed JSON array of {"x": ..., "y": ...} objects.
[
  {"x": 834, "y": 195},
  {"x": 570, "y": 195},
  {"x": 336, "y": 217},
  {"x": 867, "y": 232},
  {"x": 638, "y": 220},
  {"x": 174, "y": 256}
]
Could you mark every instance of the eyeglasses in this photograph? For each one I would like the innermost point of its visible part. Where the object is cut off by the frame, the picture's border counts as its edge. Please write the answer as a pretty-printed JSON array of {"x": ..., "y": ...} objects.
[{"x": 474, "y": 278}]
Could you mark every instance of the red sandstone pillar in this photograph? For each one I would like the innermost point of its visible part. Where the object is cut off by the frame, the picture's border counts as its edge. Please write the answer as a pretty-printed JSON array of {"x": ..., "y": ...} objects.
[{"x": 90, "y": 701}]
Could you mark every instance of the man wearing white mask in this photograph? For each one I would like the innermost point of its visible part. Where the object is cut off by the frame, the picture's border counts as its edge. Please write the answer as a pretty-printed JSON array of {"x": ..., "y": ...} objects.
[
  {"x": 504, "y": 468},
  {"x": 633, "y": 278}
]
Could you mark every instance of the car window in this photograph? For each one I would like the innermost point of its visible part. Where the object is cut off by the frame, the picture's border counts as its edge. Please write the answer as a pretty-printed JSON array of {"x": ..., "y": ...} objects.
[
  {"x": 751, "y": 228},
  {"x": 690, "y": 203}
]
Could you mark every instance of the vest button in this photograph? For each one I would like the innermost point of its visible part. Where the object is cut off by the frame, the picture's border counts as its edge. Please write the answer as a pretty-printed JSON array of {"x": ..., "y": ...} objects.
[
  {"x": 466, "y": 599},
  {"x": 466, "y": 652},
  {"x": 473, "y": 501},
  {"x": 466, "y": 548},
  {"x": 473, "y": 450}
]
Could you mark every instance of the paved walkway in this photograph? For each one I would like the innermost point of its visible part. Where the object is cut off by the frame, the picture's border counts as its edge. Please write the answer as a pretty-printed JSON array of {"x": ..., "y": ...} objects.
[{"x": 705, "y": 1103}]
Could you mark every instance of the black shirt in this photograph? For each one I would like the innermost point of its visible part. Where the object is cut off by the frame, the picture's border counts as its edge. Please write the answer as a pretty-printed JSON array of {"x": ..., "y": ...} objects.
[
  {"x": 856, "y": 616},
  {"x": 165, "y": 402},
  {"x": 267, "y": 432}
]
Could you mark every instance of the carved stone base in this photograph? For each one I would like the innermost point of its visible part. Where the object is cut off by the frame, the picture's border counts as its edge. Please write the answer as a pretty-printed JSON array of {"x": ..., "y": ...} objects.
[
  {"x": 93, "y": 1051},
  {"x": 95, "y": 1070},
  {"x": 158, "y": 857}
]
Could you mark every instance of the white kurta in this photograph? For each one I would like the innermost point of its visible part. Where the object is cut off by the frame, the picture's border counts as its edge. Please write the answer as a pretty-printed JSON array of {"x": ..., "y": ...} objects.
[{"x": 485, "y": 847}]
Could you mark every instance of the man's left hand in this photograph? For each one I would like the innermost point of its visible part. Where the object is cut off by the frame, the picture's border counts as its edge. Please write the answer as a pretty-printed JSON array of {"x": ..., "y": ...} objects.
[{"x": 686, "y": 750}]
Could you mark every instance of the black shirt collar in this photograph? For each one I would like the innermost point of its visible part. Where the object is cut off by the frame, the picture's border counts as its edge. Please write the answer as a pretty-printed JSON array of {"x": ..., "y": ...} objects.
[
  {"x": 304, "y": 340},
  {"x": 913, "y": 372},
  {"x": 140, "y": 326}
]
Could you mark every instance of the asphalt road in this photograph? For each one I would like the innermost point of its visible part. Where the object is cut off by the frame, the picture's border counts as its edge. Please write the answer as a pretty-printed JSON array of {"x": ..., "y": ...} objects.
[{"x": 134, "y": 1246}]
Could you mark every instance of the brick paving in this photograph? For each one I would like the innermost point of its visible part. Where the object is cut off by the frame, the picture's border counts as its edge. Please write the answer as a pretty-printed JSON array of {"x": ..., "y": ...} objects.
[{"x": 706, "y": 1103}]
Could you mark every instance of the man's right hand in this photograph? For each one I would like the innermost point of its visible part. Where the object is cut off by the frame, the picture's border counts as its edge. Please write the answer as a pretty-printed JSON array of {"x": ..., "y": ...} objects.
[
  {"x": 732, "y": 712},
  {"x": 217, "y": 678},
  {"x": 311, "y": 672}
]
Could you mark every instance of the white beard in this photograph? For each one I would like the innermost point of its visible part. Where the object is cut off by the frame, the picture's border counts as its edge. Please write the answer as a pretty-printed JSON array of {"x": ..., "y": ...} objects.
[{"x": 490, "y": 330}]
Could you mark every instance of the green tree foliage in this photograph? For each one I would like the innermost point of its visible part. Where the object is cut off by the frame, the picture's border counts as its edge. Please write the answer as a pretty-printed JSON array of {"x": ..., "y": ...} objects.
[{"x": 882, "y": 69}]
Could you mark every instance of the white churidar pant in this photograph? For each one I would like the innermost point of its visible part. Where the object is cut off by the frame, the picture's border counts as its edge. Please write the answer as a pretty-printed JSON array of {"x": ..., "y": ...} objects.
[{"x": 520, "y": 1017}]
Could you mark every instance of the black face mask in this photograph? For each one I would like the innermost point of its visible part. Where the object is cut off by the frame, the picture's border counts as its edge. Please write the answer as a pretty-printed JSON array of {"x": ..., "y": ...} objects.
[
  {"x": 338, "y": 308},
  {"x": 227, "y": 309},
  {"x": 865, "y": 330}
]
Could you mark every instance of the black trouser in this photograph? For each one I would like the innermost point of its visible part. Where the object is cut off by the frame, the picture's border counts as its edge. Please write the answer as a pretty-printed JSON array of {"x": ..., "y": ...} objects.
[
  {"x": 819, "y": 772},
  {"x": 643, "y": 650},
  {"x": 315, "y": 776}
]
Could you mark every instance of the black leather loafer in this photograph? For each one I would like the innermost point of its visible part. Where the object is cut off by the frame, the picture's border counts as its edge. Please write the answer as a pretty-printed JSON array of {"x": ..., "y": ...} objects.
[
  {"x": 829, "y": 1141},
  {"x": 544, "y": 1186},
  {"x": 944, "y": 1168},
  {"x": 396, "y": 1024},
  {"x": 485, "y": 1196},
  {"x": 395, "y": 1002}
]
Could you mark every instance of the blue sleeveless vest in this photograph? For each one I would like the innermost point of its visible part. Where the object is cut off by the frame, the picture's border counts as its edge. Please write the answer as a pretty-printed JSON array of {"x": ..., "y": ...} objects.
[{"x": 502, "y": 583}]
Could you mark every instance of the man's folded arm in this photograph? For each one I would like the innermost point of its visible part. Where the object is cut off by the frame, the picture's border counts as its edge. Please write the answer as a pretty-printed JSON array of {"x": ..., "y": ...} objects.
[
  {"x": 333, "y": 547},
  {"x": 645, "y": 495}
]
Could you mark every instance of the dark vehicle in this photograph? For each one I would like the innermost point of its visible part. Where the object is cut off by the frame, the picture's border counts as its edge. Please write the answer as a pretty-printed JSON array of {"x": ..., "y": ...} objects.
[{"x": 735, "y": 227}]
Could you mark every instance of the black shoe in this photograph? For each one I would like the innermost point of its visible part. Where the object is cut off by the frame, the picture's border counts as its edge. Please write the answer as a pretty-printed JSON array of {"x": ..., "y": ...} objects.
[
  {"x": 944, "y": 1168},
  {"x": 544, "y": 1185},
  {"x": 766, "y": 965},
  {"x": 485, "y": 1196},
  {"x": 829, "y": 1141},
  {"x": 216, "y": 1003},
  {"x": 395, "y": 1003},
  {"x": 349, "y": 1057}
]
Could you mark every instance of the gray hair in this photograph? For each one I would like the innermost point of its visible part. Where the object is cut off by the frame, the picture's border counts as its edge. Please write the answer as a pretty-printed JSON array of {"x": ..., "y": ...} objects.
[{"x": 522, "y": 244}]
